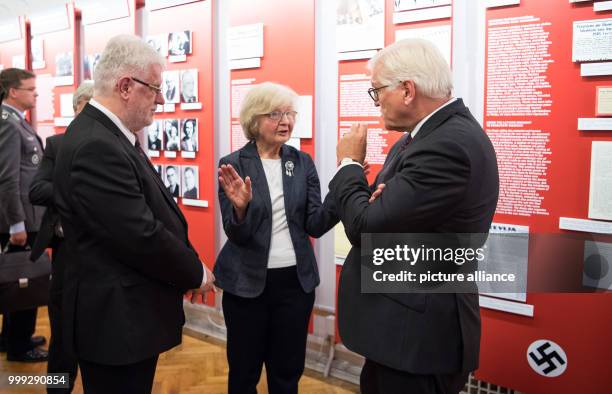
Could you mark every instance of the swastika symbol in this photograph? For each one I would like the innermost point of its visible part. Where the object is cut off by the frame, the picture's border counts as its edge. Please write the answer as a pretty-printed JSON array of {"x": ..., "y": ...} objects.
[{"x": 547, "y": 358}]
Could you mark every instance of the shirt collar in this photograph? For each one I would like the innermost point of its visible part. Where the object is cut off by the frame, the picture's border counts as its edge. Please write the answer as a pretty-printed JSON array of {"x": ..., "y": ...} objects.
[
  {"x": 115, "y": 119},
  {"x": 21, "y": 114},
  {"x": 416, "y": 129}
]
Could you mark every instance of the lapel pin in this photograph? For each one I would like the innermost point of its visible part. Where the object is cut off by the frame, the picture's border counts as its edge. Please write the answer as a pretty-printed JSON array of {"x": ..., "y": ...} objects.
[{"x": 289, "y": 168}]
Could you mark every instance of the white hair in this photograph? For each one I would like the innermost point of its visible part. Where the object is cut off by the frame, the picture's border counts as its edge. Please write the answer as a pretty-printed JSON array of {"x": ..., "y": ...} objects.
[
  {"x": 83, "y": 93},
  {"x": 124, "y": 55},
  {"x": 261, "y": 99},
  {"x": 416, "y": 60}
]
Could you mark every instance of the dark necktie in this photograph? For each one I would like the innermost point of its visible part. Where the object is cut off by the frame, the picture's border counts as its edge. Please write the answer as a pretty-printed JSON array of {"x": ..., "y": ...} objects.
[{"x": 390, "y": 162}]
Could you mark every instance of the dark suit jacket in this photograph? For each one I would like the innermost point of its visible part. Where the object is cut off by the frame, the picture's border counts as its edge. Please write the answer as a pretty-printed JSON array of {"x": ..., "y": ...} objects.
[
  {"x": 132, "y": 259},
  {"x": 445, "y": 181},
  {"x": 41, "y": 193},
  {"x": 242, "y": 263}
]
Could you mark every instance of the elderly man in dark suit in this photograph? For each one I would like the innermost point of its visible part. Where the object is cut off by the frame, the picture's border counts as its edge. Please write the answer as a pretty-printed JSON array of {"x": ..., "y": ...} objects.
[
  {"x": 20, "y": 153},
  {"x": 440, "y": 177},
  {"x": 130, "y": 258}
]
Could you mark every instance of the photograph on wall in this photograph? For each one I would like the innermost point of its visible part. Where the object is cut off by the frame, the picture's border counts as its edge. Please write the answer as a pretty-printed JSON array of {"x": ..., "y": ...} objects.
[
  {"x": 190, "y": 182},
  {"x": 172, "y": 180},
  {"x": 179, "y": 43},
  {"x": 38, "y": 53},
  {"x": 189, "y": 86},
  {"x": 159, "y": 42},
  {"x": 171, "y": 134},
  {"x": 189, "y": 135},
  {"x": 63, "y": 64},
  {"x": 360, "y": 25},
  {"x": 159, "y": 169},
  {"x": 171, "y": 87},
  {"x": 155, "y": 136},
  {"x": 89, "y": 65}
]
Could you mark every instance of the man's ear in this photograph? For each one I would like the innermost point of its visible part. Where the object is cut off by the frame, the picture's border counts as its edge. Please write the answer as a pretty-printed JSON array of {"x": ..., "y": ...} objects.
[
  {"x": 409, "y": 91},
  {"x": 124, "y": 85}
]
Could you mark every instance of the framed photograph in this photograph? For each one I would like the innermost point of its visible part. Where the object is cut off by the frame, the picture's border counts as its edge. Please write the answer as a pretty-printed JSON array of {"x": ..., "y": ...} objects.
[
  {"x": 171, "y": 135},
  {"x": 159, "y": 42},
  {"x": 38, "y": 53},
  {"x": 189, "y": 86},
  {"x": 159, "y": 169},
  {"x": 172, "y": 180},
  {"x": 189, "y": 135},
  {"x": 155, "y": 136},
  {"x": 63, "y": 64},
  {"x": 170, "y": 87},
  {"x": 190, "y": 181},
  {"x": 89, "y": 65},
  {"x": 179, "y": 43}
]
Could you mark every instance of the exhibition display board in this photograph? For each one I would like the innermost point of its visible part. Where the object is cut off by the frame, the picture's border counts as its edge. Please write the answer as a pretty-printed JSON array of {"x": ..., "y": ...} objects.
[
  {"x": 55, "y": 60},
  {"x": 264, "y": 47},
  {"x": 547, "y": 68},
  {"x": 14, "y": 43},
  {"x": 180, "y": 141}
]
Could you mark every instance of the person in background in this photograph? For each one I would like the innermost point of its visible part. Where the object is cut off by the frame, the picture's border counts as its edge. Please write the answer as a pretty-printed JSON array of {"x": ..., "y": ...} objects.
[
  {"x": 191, "y": 190},
  {"x": 130, "y": 258},
  {"x": 172, "y": 179},
  {"x": 20, "y": 154},
  {"x": 51, "y": 235},
  {"x": 267, "y": 267},
  {"x": 189, "y": 141}
]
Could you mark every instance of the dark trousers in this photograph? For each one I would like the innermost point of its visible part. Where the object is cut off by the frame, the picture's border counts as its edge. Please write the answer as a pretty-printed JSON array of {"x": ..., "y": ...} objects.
[
  {"x": 134, "y": 378},
  {"x": 379, "y": 379},
  {"x": 60, "y": 361},
  {"x": 272, "y": 329},
  {"x": 18, "y": 327}
]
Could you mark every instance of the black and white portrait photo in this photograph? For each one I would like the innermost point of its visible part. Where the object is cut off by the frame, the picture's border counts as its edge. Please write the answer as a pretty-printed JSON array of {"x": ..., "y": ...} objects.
[
  {"x": 38, "y": 53},
  {"x": 190, "y": 182},
  {"x": 171, "y": 86},
  {"x": 172, "y": 180},
  {"x": 89, "y": 65},
  {"x": 159, "y": 169},
  {"x": 179, "y": 43},
  {"x": 155, "y": 136},
  {"x": 189, "y": 86},
  {"x": 189, "y": 135},
  {"x": 63, "y": 64},
  {"x": 172, "y": 136},
  {"x": 159, "y": 42}
]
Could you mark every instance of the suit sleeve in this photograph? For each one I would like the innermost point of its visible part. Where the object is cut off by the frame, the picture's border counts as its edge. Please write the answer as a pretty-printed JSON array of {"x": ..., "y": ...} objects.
[
  {"x": 106, "y": 191},
  {"x": 11, "y": 206},
  {"x": 320, "y": 218},
  {"x": 238, "y": 232},
  {"x": 41, "y": 188},
  {"x": 425, "y": 190}
]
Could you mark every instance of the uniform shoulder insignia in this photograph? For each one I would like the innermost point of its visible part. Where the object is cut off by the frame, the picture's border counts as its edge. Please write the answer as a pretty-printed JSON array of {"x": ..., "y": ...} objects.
[{"x": 5, "y": 115}]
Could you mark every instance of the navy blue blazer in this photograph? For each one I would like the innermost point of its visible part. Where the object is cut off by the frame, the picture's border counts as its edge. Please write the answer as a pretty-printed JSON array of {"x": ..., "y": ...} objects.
[{"x": 241, "y": 266}]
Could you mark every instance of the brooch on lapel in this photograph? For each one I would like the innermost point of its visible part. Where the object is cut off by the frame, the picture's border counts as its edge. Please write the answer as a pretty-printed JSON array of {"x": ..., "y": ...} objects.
[{"x": 289, "y": 168}]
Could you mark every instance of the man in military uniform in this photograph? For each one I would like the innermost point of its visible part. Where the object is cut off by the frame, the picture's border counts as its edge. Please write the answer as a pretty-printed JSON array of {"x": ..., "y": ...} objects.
[{"x": 20, "y": 155}]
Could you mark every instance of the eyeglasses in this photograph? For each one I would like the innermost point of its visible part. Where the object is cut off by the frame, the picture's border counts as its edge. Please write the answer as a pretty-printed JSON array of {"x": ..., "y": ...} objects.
[
  {"x": 28, "y": 89},
  {"x": 373, "y": 92},
  {"x": 278, "y": 115},
  {"x": 154, "y": 88}
]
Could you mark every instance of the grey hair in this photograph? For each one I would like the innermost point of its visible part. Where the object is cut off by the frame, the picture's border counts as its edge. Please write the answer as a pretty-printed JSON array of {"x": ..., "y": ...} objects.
[
  {"x": 262, "y": 99},
  {"x": 123, "y": 55},
  {"x": 416, "y": 60},
  {"x": 83, "y": 93}
]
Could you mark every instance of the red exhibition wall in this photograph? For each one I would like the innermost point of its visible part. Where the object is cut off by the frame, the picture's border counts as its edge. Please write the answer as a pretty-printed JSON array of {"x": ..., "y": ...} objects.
[
  {"x": 58, "y": 74},
  {"x": 534, "y": 95},
  {"x": 288, "y": 56},
  {"x": 195, "y": 17},
  {"x": 14, "y": 42}
]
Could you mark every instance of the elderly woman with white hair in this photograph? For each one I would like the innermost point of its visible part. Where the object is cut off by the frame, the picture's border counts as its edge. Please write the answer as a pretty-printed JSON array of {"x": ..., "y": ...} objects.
[{"x": 270, "y": 201}]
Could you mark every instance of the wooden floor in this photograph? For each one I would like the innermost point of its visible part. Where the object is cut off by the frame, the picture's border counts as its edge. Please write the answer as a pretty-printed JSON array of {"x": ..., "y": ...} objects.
[{"x": 194, "y": 367}]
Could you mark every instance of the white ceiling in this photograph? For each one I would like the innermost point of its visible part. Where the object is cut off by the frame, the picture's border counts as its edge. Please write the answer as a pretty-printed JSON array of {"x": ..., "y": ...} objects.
[{"x": 13, "y": 8}]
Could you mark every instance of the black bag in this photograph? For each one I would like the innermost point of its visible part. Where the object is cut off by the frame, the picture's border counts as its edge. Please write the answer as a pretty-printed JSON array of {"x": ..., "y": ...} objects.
[{"x": 24, "y": 284}]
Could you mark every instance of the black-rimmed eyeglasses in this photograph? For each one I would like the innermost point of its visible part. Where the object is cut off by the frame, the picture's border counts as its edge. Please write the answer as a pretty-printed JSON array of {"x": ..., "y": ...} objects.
[
  {"x": 278, "y": 115},
  {"x": 373, "y": 92},
  {"x": 156, "y": 89}
]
